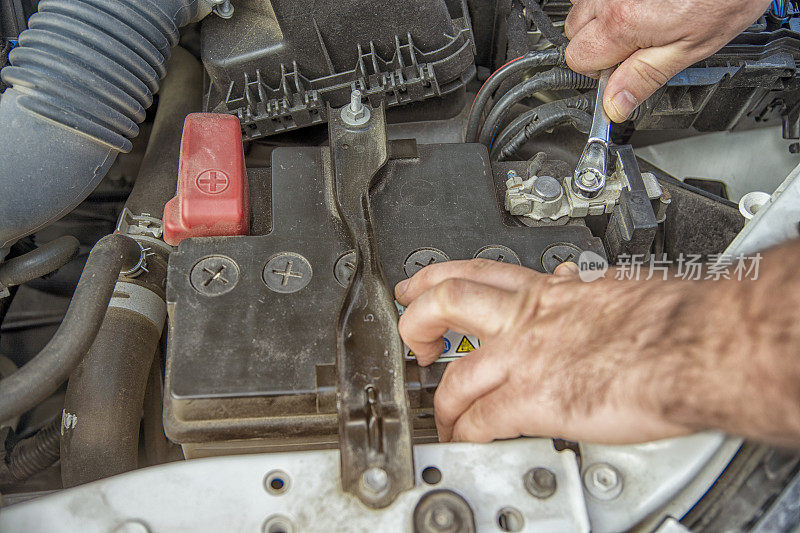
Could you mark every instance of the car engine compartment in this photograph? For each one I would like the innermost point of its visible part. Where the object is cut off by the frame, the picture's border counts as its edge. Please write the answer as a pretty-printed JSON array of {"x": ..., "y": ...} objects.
[{"x": 252, "y": 177}]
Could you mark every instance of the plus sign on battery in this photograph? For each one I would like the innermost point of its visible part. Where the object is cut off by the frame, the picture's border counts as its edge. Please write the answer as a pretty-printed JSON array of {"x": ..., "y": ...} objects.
[{"x": 212, "y": 181}]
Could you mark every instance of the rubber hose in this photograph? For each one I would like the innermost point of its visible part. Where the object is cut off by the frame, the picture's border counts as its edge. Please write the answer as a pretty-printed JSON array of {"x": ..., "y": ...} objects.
[
  {"x": 48, "y": 369},
  {"x": 578, "y": 118},
  {"x": 43, "y": 260},
  {"x": 181, "y": 94},
  {"x": 79, "y": 82},
  {"x": 32, "y": 455},
  {"x": 528, "y": 61},
  {"x": 105, "y": 394},
  {"x": 513, "y": 133},
  {"x": 556, "y": 78},
  {"x": 544, "y": 24},
  {"x": 106, "y": 391}
]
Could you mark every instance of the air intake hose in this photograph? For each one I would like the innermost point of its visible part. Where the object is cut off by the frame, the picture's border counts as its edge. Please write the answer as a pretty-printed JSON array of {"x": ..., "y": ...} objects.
[{"x": 79, "y": 82}]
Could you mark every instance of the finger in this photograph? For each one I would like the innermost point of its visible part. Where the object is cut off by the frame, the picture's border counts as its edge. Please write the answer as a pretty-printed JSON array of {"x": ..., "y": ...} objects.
[
  {"x": 501, "y": 275},
  {"x": 581, "y": 13},
  {"x": 567, "y": 269},
  {"x": 464, "y": 381},
  {"x": 455, "y": 304},
  {"x": 642, "y": 74},
  {"x": 592, "y": 49},
  {"x": 495, "y": 415}
]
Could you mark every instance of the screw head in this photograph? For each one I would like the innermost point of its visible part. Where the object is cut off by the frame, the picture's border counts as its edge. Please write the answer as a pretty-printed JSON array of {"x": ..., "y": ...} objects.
[
  {"x": 287, "y": 272},
  {"x": 214, "y": 275},
  {"x": 375, "y": 480},
  {"x": 547, "y": 188},
  {"x": 421, "y": 258},
  {"x": 559, "y": 253},
  {"x": 499, "y": 253},
  {"x": 344, "y": 268},
  {"x": 540, "y": 483},
  {"x": 602, "y": 481}
]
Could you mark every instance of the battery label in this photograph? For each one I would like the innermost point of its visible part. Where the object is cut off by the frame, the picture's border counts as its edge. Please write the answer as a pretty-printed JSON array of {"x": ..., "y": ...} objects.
[{"x": 456, "y": 345}]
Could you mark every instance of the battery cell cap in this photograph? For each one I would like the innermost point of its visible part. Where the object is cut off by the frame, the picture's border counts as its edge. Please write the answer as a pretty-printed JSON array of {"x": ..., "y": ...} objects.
[{"x": 213, "y": 197}]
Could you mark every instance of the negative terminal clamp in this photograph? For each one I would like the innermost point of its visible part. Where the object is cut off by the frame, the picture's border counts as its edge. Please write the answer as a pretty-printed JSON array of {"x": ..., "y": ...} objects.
[{"x": 590, "y": 174}]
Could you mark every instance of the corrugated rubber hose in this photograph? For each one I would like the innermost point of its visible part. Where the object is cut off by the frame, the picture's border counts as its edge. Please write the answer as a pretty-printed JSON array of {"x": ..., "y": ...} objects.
[{"x": 79, "y": 83}]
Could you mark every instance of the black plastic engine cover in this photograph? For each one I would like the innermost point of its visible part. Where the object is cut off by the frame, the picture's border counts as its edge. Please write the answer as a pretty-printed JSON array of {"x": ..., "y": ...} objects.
[
  {"x": 258, "y": 363},
  {"x": 277, "y": 63}
]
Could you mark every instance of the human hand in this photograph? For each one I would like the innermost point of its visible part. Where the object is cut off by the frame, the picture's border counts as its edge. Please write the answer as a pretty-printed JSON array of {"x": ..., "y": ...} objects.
[
  {"x": 555, "y": 357},
  {"x": 654, "y": 40}
]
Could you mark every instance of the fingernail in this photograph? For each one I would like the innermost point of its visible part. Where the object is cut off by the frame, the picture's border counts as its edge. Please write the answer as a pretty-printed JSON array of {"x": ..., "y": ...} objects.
[
  {"x": 623, "y": 103},
  {"x": 567, "y": 269},
  {"x": 401, "y": 287}
]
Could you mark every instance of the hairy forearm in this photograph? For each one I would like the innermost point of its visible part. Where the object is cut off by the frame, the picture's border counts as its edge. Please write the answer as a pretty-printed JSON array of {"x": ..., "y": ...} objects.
[
  {"x": 699, "y": 355},
  {"x": 741, "y": 343}
]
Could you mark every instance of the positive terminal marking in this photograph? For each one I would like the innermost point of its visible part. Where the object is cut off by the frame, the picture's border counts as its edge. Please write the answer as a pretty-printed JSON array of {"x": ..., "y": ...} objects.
[{"x": 212, "y": 182}]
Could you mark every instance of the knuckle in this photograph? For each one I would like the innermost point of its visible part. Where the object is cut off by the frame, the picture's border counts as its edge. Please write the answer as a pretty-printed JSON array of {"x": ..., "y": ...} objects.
[
  {"x": 448, "y": 294},
  {"x": 617, "y": 16},
  {"x": 572, "y": 57},
  {"x": 403, "y": 326},
  {"x": 480, "y": 266},
  {"x": 653, "y": 76}
]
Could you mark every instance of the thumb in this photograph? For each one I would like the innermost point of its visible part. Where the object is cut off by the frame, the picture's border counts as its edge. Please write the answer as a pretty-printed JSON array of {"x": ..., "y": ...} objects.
[{"x": 639, "y": 76}]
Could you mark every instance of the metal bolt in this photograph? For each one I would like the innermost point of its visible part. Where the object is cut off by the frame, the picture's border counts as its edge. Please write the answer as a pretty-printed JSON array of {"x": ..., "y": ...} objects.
[
  {"x": 602, "y": 481},
  {"x": 355, "y": 101},
  {"x": 443, "y": 511},
  {"x": 356, "y": 113},
  {"x": 344, "y": 268},
  {"x": 443, "y": 517},
  {"x": 375, "y": 480},
  {"x": 498, "y": 253},
  {"x": 540, "y": 482},
  {"x": 224, "y": 9},
  {"x": 547, "y": 188},
  {"x": 214, "y": 275},
  {"x": 512, "y": 174},
  {"x": 559, "y": 253},
  {"x": 421, "y": 258},
  {"x": 287, "y": 272},
  {"x": 588, "y": 179}
]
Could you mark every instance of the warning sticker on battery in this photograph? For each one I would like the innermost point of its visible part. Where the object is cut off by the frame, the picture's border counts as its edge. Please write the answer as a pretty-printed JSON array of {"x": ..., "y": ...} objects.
[{"x": 456, "y": 345}]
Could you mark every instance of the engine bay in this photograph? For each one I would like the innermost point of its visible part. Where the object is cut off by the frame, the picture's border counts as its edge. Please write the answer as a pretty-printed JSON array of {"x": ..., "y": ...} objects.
[{"x": 299, "y": 160}]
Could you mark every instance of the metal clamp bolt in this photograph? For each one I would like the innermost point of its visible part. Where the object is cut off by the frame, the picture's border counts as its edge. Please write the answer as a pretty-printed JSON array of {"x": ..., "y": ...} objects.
[
  {"x": 375, "y": 480},
  {"x": 602, "y": 481},
  {"x": 356, "y": 113}
]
